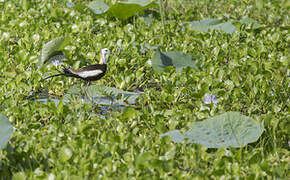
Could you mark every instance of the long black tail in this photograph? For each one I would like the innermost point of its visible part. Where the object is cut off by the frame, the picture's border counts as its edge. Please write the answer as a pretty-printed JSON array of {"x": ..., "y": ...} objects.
[
  {"x": 61, "y": 74},
  {"x": 66, "y": 72}
]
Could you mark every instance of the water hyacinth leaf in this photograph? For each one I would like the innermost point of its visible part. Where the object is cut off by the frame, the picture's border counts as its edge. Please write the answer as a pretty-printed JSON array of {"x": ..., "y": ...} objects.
[
  {"x": 51, "y": 48},
  {"x": 230, "y": 129},
  {"x": 65, "y": 154},
  {"x": 98, "y": 7},
  {"x": 177, "y": 59},
  {"x": 121, "y": 10},
  {"x": 203, "y": 25},
  {"x": 6, "y": 130},
  {"x": 249, "y": 21},
  {"x": 103, "y": 95},
  {"x": 227, "y": 27},
  {"x": 212, "y": 24}
]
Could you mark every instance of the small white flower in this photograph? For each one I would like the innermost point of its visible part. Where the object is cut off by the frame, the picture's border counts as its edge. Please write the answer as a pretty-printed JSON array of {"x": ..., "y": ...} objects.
[
  {"x": 51, "y": 176},
  {"x": 119, "y": 42},
  {"x": 24, "y": 23},
  {"x": 36, "y": 37},
  {"x": 74, "y": 27},
  {"x": 91, "y": 55},
  {"x": 57, "y": 25},
  {"x": 5, "y": 35},
  {"x": 111, "y": 24},
  {"x": 101, "y": 22},
  {"x": 73, "y": 13}
]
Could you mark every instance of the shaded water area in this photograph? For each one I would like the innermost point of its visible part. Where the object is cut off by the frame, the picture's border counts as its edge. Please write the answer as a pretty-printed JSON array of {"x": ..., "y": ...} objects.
[{"x": 105, "y": 97}]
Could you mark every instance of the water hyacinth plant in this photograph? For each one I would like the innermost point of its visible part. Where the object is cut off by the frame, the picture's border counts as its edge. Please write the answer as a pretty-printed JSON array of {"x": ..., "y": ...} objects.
[{"x": 193, "y": 90}]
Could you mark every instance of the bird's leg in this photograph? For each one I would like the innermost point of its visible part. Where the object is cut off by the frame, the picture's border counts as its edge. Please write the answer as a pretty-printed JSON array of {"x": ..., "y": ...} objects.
[
  {"x": 86, "y": 89},
  {"x": 87, "y": 94},
  {"x": 83, "y": 91}
]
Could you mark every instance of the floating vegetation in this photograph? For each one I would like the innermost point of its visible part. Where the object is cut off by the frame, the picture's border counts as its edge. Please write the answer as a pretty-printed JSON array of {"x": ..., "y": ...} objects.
[
  {"x": 218, "y": 24},
  {"x": 230, "y": 129},
  {"x": 179, "y": 60},
  {"x": 96, "y": 94}
]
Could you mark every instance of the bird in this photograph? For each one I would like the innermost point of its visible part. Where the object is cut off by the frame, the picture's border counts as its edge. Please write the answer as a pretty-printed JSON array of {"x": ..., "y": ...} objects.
[{"x": 88, "y": 73}]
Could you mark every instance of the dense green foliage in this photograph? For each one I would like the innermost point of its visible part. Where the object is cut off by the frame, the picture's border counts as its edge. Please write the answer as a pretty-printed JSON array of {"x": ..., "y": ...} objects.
[{"x": 247, "y": 71}]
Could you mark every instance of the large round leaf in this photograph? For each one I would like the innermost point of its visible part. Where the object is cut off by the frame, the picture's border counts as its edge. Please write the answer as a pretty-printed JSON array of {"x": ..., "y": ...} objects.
[
  {"x": 122, "y": 9},
  {"x": 217, "y": 24},
  {"x": 230, "y": 129},
  {"x": 6, "y": 131},
  {"x": 212, "y": 24},
  {"x": 177, "y": 59},
  {"x": 98, "y": 7}
]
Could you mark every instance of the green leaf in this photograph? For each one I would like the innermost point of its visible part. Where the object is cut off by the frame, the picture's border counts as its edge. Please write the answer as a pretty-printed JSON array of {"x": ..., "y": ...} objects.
[
  {"x": 230, "y": 129},
  {"x": 129, "y": 113},
  {"x": 50, "y": 49},
  {"x": 6, "y": 130},
  {"x": 121, "y": 10},
  {"x": 177, "y": 59},
  {"x": 19, "y": 176},
  {"x": 65, "y": 154},
  {"x": 98, "y": 7},
  {"x": 212, "y": 24},
  {"x": 249, "y": 21}
]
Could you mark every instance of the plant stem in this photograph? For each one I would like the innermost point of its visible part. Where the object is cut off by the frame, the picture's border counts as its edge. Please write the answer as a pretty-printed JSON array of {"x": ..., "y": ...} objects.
[{"x": 161, "y": 9}]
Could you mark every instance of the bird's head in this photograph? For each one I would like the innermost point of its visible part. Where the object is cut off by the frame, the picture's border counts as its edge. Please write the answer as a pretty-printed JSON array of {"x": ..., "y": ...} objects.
[{"x": 104, "y": 55}]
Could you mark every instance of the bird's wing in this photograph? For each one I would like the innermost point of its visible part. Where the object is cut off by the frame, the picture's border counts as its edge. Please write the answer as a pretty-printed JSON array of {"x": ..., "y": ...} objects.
[{"x": 89, "y": 73}]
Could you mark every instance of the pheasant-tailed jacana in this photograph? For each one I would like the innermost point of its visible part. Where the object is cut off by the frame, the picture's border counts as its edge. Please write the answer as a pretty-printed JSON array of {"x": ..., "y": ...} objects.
[{"x": 88, "y": 73}]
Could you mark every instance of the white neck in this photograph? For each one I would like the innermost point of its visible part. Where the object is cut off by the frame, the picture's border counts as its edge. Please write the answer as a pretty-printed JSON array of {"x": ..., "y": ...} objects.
[{"x": 104, "y": 58}]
